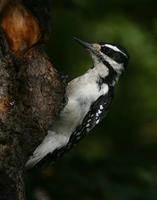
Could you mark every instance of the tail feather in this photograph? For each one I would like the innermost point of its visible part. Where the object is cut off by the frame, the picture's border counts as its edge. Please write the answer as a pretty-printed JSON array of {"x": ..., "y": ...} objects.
[{"x": 51, "y": 142}]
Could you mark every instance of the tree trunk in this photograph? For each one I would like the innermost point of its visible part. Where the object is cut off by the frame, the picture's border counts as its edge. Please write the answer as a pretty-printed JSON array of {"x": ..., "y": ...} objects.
[{"x": 31, "y": 93}]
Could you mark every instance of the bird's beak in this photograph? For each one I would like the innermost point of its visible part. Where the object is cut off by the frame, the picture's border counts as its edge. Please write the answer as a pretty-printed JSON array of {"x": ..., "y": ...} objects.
[{"x": 87, "y": 45}]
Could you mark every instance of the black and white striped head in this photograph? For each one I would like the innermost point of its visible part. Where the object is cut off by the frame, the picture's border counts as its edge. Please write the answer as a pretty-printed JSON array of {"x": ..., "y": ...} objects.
[{"x": 113, "y": 55}]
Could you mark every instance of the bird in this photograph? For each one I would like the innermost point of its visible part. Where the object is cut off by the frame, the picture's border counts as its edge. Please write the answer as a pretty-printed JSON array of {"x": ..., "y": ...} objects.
[{"x": 89, "y": 97}]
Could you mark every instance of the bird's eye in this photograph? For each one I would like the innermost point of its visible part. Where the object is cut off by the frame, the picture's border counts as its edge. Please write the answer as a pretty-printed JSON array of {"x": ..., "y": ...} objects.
[
  {"x": 118, "y": 57},
  {"x": 106, "y": 50}
]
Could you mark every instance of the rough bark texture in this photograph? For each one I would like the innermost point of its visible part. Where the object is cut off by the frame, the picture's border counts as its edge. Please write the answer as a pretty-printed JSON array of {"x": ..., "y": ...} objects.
[{"x": 31, "y": 95}]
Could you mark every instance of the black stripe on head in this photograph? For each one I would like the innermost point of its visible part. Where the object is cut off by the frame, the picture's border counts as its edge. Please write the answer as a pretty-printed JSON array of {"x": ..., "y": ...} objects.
[
  {"x": 115, "y": 52},
  {"x": 111, "y": 77}
]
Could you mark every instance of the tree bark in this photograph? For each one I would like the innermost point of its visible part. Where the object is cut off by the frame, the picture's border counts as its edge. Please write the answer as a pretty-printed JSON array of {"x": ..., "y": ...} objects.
[{"x": 31, "y": 94}]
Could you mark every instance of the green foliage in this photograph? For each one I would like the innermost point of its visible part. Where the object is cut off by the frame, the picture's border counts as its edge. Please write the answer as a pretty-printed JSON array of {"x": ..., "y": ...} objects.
[{"x": 118, "y": 160}]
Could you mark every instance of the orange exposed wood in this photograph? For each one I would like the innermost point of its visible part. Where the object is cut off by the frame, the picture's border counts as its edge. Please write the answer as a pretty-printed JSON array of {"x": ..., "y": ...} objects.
[
  {"x": 21, "y": 27},
  {"x": 6, "y": 103}
]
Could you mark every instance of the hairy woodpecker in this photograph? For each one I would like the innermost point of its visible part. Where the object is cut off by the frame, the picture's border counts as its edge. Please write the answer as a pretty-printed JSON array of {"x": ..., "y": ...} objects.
[{"x": 89, "y": 98}]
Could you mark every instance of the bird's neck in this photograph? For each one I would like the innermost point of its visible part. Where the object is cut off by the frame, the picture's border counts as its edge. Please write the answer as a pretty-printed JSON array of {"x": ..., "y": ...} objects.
[{"x": 106, "y": 72}]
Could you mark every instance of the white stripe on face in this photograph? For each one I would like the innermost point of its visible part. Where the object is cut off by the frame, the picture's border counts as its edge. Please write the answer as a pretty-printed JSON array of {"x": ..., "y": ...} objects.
[{"x": 115, "y": 49}]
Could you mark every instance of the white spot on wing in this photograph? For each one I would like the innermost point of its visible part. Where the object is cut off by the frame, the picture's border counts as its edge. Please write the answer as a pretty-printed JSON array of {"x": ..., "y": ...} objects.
[
  {"x": 97, "y": 122},
  {"x": 101, "y": 107},
  {"x": 87, "y": 125},
  {"x": 79, "y": 137},
  {"x": 88, "y": 129},
  {"x": 99, "y": 111}
]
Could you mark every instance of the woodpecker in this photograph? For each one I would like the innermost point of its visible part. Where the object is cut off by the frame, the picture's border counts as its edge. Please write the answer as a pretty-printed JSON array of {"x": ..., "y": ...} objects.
[{"x": 89, "y": 98}]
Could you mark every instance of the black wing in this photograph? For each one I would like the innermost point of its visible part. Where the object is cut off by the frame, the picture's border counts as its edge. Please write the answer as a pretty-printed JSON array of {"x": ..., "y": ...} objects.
[{"x": 98, "y": 111}]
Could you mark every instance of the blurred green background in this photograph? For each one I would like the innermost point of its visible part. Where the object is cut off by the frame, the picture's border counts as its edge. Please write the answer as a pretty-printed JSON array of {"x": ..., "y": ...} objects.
[{"x": 118, "y": 161}]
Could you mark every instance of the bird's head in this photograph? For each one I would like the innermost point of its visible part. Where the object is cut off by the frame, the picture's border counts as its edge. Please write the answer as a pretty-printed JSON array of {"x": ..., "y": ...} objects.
[{"x": 110, "y": 55}]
